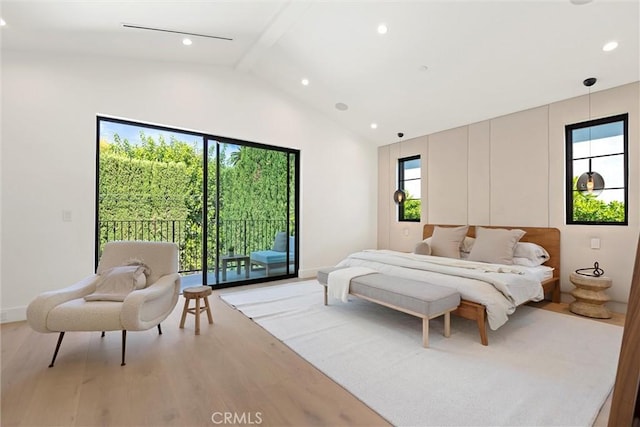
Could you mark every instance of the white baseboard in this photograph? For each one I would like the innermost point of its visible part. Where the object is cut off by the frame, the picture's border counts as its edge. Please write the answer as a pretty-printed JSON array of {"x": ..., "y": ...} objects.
[
  {"x": 14, "y": 314},
  {"x": 310, "y": 273}
]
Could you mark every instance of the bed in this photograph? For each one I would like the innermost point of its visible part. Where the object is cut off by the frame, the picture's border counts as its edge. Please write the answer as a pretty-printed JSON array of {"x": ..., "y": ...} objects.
[{"x": 481, "y": 301}]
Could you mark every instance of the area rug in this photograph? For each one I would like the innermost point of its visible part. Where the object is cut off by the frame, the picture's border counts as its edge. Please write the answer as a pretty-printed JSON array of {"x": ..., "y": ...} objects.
[{"x": 540, "y": 369}]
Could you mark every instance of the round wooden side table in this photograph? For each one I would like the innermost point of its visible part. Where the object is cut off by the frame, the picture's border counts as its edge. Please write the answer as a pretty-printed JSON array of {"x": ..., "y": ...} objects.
[
  {"x": 197, "y": 293},
  {"x": 590, "y": 295}
]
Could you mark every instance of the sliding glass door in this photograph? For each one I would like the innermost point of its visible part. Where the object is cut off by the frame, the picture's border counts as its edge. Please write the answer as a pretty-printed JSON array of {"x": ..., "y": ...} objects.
[
  {"x": 255, "y": 219},
  {"x": 231, "y": 206}
]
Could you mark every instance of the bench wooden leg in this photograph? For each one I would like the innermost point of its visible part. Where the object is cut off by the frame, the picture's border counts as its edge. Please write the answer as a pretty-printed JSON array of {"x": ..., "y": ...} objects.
[
  {"x": 447, "y": 324},
  {"x": 425, "y": 332},
  {"x": 326, "y": 290}
]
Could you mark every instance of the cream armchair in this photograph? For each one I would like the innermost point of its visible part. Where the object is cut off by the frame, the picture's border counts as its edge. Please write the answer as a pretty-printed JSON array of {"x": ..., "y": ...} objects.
[{"x": 67, "y": 310}]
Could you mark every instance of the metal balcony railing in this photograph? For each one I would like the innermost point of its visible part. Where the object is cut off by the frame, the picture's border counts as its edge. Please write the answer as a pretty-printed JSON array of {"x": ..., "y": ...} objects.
[{"x": 244, "y": 236}]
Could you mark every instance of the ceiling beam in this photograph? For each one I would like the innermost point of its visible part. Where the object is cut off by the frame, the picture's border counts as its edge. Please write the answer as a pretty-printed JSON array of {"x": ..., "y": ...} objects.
[{"x": 288, "y": 15}]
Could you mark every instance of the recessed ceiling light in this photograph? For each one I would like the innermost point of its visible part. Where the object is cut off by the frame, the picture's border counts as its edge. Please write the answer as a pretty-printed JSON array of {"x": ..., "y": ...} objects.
[
  {"x": 342, "y": 106},
  {"x": 374, "y": 126},
  {"x": 187, "y": 42},
  {"x": 610, "y": 46},
  {"x": 305, "y": 82},
  {"x": 382, "y": 29},
  {"x": 2, "y": 22},
  {"x": 580, "y": 2}
]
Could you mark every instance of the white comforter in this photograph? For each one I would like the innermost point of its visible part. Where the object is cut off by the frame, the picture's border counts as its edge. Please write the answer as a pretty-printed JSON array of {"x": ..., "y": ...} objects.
[{"x": 500, "y": 288}]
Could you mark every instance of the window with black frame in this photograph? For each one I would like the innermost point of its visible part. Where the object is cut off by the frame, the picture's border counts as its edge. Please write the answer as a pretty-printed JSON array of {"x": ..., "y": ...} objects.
[
  {"x": 231, "y": 206},
  {"x": 409, "y": 178},
  {"x": 597, "y": 171}
]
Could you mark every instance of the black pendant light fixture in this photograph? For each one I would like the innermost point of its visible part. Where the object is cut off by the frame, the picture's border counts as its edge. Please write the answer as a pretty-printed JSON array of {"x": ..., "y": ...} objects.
[
  {"x": 590, "y": 183},
  {"x": 399, "y": 195}
]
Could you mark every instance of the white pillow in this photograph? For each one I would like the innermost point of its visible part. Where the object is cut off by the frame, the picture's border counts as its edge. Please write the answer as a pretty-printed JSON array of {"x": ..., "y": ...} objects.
[
  {"x": 465, "y": 248},
  {"x": 495, "y": 245},
  {"x": 118, "y": 282},
  {"x": 447, "y": 241},
  {"x": 422, "y": 248},
  {"x": 533, "y": 252},
  {"x": 526, "y": 262},
  {"x": 141, "y": 279},
  {"x": 467, "y": 244}
]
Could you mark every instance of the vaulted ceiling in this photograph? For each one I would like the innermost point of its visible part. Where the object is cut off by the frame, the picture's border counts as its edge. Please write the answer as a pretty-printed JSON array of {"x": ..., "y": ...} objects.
[{"x": 441, "y": 64}]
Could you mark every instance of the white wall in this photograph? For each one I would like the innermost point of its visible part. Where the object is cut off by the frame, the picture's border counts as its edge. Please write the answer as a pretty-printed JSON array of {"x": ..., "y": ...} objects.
[
  {"x": 49, "y": 108},
  {"x": 510, "y": 171}
]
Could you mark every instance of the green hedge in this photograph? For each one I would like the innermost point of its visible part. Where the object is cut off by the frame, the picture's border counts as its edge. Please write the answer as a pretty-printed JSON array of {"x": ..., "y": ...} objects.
[{"x": 143, "y": 189}]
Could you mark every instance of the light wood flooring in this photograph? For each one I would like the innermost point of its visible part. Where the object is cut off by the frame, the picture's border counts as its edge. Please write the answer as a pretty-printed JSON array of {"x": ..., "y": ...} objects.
[{"x": 175, "y": 379}]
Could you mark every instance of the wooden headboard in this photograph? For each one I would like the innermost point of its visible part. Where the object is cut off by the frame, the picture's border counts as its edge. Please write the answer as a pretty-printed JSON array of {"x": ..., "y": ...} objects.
[{"x": 548, "y": 238}]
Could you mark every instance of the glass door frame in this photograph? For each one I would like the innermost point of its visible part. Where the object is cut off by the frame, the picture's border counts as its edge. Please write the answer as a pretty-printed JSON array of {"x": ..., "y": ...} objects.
[
  {"x": 206, "y": 223},
  {"x": 295, "y": 192}
]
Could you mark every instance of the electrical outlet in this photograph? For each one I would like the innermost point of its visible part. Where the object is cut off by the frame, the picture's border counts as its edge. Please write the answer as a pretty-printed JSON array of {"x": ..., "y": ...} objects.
[
  {"x": 66, "y": 216},
  {"x": 3, "y": 317}
]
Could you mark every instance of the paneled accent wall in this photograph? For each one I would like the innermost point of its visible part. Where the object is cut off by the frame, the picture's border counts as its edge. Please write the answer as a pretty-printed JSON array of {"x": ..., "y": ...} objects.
[
  {"x": 447, "y": 177},
  {"x": 520, "y": 168},
  {"x": 479, "y": 176},
  {"x": 510, "y": 170}
]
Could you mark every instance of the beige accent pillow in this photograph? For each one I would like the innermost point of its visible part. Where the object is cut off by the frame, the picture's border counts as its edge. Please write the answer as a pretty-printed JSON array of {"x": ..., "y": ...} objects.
[
  {"x": 118, "y": 282},
  {"x": 495, "y": 245},
  {"x": 447, "y": 241},
  {"x": 422, "y": 248},
  {"x": 141, "y": 279}
]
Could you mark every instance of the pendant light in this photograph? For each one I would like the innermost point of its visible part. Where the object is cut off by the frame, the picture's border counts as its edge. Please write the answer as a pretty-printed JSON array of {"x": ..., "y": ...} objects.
[
  {"x": 399, "y": 195},
  {"x": 590, "y": 182}
]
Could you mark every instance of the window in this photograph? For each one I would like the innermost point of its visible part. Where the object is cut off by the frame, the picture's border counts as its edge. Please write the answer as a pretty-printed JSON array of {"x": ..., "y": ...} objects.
[
  {"x": 597, "y": 149},
  {"x": 221, "y": 200},
  {"x": 409, "y": 182}
]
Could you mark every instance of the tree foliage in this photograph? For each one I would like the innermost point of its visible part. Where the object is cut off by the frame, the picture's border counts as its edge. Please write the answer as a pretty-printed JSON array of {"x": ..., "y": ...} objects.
[
  {"x": 412, "y": 207},
  {"x": 154, "y": 190},
  {"x": 588, "y": 208}
]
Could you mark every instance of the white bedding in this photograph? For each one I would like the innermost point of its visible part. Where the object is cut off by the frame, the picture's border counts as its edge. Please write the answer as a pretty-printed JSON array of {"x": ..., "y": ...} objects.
[{"x": 500, "y": 288}]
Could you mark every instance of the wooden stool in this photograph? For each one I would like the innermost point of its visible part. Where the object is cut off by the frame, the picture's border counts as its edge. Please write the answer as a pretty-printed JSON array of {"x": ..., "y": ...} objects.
[{"x": 197, "y": 293}]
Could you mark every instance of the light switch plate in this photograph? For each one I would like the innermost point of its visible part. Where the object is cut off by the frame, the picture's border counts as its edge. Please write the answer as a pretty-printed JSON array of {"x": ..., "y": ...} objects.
[{"x": 595, "y": 243}]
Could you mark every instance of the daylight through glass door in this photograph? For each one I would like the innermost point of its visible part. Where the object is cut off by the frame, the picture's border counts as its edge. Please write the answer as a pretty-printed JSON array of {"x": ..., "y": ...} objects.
[{"x": 156, "y": 183}]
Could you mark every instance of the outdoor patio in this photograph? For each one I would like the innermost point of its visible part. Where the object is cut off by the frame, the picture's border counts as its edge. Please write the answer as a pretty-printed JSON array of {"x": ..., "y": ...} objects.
[{"x": 195, "y": 278}]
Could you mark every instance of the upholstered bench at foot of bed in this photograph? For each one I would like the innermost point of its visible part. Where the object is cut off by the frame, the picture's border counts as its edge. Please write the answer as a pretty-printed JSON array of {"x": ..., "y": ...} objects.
[{"x": 420, "y": 299}]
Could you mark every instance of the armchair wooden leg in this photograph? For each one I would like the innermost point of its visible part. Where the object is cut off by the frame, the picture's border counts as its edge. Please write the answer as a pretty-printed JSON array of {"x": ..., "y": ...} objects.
[
  {"x": 124, "y": 345},
  {"x": 159, "y": 329},
  {"x": 55, "y": 353}
]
